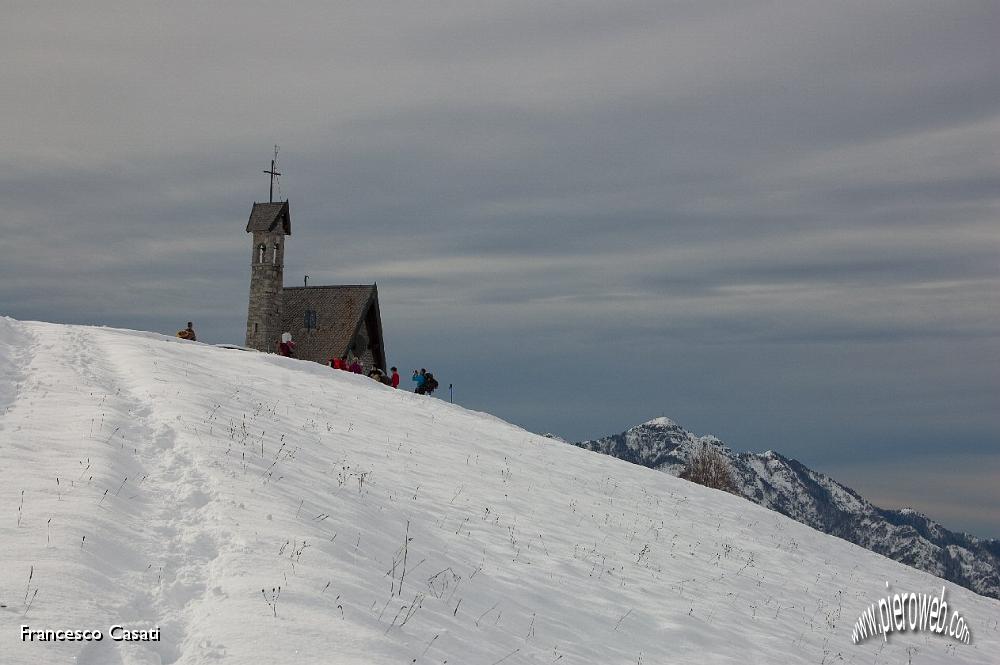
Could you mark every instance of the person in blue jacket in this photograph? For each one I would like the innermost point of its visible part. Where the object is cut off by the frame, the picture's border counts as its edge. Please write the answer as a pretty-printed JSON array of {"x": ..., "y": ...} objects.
[{"x": 420, "y": 379}]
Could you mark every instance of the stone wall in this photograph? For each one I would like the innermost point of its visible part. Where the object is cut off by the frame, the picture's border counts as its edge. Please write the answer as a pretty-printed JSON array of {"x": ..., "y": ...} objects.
[{"x": 264, "y": 312}]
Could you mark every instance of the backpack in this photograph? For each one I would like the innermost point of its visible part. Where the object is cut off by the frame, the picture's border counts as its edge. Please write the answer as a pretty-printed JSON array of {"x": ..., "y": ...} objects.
[{"x": 430, "y": 383}]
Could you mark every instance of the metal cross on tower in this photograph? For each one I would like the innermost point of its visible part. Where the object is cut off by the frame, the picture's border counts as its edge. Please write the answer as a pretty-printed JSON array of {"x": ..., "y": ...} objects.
[{"x": 273, "y": 173}]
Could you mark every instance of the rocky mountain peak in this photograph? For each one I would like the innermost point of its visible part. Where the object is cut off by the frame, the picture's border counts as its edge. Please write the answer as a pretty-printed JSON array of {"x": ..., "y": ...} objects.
[{"x": 789, "y": 487}]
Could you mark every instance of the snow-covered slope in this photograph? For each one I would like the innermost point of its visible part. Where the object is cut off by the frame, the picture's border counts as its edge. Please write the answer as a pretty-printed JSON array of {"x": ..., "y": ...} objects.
[
  {"x": 157, "y": 482},
  {"x": 813, "y": 498}
]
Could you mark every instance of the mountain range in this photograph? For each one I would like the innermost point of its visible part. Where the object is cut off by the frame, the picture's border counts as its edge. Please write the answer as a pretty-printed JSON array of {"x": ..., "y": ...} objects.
[{"x": 812, "y": 498}]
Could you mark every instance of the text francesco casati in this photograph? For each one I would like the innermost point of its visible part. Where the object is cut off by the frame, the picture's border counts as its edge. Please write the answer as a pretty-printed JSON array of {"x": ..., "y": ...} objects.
[{"x": 116, "y": 633}]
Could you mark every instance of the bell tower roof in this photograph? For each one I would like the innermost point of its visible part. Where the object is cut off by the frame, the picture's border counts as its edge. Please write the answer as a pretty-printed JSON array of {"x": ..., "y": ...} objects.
[{"x": 267, "y": 216}]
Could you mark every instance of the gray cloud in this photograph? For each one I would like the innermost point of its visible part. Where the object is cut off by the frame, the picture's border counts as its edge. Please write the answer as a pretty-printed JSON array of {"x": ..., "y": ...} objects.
[{"x": 772, "y": 221}]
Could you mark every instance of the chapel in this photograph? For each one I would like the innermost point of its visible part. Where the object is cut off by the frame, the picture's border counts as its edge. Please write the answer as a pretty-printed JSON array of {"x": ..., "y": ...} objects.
[{"x": 325, "y": 321}]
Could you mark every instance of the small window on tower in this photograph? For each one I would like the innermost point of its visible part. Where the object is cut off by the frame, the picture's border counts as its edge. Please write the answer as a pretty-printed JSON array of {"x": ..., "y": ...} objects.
[
  {"x": 310, "y": 319},
  {"x": 274, "y": 260},
  {"x": 260, "y": 253}
]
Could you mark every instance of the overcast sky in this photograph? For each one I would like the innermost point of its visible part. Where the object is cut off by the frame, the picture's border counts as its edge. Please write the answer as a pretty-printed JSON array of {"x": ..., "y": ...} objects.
[{"x": 772, "y": 221}]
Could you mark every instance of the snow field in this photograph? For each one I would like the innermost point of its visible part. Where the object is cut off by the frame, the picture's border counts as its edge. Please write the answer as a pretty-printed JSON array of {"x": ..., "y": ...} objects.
[{"x": 399, "y": 528}]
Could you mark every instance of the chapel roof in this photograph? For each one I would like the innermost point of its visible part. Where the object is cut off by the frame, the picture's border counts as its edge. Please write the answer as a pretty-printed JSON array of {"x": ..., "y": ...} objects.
[{"x": 266, "y": 216}]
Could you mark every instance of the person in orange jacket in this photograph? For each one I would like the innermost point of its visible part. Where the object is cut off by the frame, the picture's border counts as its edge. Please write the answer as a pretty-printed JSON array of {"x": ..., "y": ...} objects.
[{"x": 188, "y": 333}]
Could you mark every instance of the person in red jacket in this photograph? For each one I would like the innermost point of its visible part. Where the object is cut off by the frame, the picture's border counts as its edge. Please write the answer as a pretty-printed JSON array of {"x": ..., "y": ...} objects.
[
  {"x": 286, "y": 346},
  {"x": 395, "y": 378}
]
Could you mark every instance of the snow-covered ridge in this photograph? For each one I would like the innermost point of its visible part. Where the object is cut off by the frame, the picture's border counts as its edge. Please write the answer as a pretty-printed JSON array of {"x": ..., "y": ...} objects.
[
  {"x": 175, "y": 485},
  {"x": 789, "y": 487},
  {"x": 661, "y": 421}
]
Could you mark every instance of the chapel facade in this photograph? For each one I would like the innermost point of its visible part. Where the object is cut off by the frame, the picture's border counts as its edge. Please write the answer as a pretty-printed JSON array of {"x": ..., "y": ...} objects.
[{"x": 325, "y": 322}]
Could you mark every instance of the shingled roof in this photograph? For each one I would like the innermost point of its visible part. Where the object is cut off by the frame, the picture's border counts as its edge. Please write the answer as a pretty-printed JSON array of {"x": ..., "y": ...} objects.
[
  {"x": 265, "y": 216},
  {"x": 346, "y": 316}
]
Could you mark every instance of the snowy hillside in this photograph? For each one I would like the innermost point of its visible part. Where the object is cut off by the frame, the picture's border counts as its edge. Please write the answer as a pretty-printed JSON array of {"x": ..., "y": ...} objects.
[
  {"x": 789, "y": 487},
  {"x": 156, "y": 482}
]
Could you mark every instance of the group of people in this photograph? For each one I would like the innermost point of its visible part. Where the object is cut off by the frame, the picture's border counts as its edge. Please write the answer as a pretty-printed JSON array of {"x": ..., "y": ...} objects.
[
  {"x": 348, "y": 365},
  {"x": 355, "y": 366},
  {"x": 426, "y": 383},
  {"x": 387, "y": 379}
]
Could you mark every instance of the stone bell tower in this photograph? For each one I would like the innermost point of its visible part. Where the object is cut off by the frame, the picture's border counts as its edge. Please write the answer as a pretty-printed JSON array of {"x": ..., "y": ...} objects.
[{"x": 269, "y": 223}]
